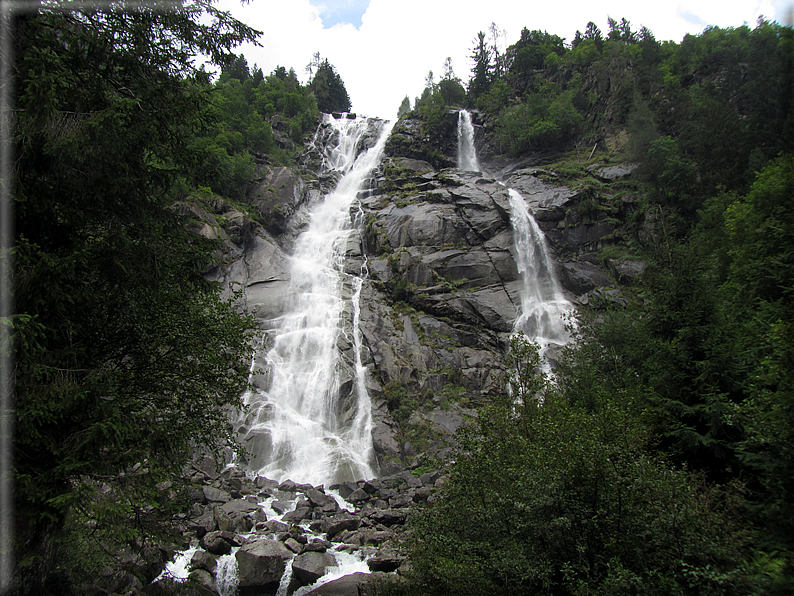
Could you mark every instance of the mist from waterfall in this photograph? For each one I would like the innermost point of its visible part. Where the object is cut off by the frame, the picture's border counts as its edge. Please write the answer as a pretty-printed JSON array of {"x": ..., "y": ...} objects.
[
  {"x": 467, "y": 154},
  {"x": 300, "y": 426}
]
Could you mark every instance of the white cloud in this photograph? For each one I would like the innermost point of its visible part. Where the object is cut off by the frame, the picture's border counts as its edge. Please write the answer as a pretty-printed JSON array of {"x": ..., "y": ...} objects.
[{"x": 389, "y": 55}]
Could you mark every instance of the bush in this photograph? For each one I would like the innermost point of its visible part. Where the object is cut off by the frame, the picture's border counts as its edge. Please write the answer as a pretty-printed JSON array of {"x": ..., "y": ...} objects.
[{"x": 547, "y": 498}]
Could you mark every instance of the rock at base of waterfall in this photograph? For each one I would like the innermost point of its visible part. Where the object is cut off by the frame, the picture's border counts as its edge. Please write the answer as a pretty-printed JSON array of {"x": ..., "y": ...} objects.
[
  {"x": 389, "y": 517},
  {"x": 357, "y": 496},
  {"x": 220, "y": 542},
  {"x": 201, "y": 581},
  {"x": 261, "y": 564},
  {"x": 341, "y": 521},
  {"x": 215, "y": 495},
  {"x": 311, "y": 566},
  {"x": 204, "y": 560},
  {"x": 354, "y": 584},
  {"x": 386, "y": 560},
  {"x": 319, "y": 499}
]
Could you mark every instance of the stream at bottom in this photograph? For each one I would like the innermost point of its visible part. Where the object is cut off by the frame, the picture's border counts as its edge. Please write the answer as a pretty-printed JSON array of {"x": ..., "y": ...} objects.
[{"x": 287, "y": 539}]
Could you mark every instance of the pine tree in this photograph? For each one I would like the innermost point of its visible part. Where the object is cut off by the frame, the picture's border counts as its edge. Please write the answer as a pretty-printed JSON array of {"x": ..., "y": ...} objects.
[
  {"x": 329, "y": 89},
  {"x": 481, "y": 55},
  {"x": 125, "y": 356}
]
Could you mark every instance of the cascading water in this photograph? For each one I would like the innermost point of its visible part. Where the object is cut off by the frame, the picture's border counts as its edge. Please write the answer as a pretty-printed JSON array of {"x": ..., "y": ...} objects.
[
  {"x": 467, "y": 155},
  {"x": 543, "y": 306},
  {"x": 294, "y": 428}
]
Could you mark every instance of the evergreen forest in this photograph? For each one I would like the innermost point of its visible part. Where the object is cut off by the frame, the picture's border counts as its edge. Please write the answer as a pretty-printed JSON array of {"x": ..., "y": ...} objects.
[{"x": 657, "y": 459}]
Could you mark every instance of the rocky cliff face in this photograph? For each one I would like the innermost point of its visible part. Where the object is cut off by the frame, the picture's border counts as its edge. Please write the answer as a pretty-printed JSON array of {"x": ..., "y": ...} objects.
[{"x": 441, "y": 292}]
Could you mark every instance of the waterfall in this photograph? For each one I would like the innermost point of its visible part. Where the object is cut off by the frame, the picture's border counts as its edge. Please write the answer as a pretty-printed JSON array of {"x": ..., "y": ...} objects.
[
  {"x": 543, "y": 305},
  {"x": 467, "y": 155},
  {"x": 300, "y": 427}
]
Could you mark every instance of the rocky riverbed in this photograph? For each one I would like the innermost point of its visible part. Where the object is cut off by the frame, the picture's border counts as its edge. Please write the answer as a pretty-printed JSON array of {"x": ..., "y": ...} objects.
[{"x": 249, "y": 536}]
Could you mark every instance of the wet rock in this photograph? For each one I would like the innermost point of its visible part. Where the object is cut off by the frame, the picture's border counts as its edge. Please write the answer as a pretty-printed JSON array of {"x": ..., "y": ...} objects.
[
  {"x": 203, "y": 560},
  {"x": 297, "y": 515},
  {"x": 346, "y": 488},
  {"x": 358, "y": 496},
  {"x": 353, "y": 584},
  {"x": 276, "y": 526},
  {"x": 261, "y": 482},
  {"x": 320, "y": 500},
  {"x": 281, "y": 507},
  {"x": 201, "y": 581},
  {"x": 261, "y": 564},
  {"x": 339, "y": 522},
  {"x": 316, "y": 545},
  {"x": 310, "y": 566},
  {"x": 288, "y": 486},
  {"x": 220, "y": 542},
  {"x": 293, "y": 545}
]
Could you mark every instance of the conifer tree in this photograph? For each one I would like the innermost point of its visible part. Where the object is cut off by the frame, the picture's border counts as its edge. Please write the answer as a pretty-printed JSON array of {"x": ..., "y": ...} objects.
[
  {"x": 124, "y": 355},
  {"x": 329, "y": 89},
  {"x": 481, "y": 71}
]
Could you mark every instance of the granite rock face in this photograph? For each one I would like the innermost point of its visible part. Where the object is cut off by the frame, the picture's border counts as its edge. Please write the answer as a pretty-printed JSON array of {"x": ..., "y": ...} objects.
[{"x": 440, "y": 292}]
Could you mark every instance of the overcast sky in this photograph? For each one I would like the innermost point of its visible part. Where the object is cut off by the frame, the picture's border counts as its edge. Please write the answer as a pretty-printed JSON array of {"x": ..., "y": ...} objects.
[{"x": 383, "y": 49}]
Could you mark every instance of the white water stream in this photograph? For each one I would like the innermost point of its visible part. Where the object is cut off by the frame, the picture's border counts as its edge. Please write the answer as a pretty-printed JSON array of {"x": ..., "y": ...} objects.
[
  {"x": 544, "y": 308},
  {"x": 295, "y": 424},
  {"x": 467, "y": 155}
]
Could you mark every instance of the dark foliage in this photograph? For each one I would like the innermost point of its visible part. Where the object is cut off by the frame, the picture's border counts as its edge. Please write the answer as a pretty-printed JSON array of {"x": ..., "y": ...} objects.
[{"x": 125, "y": 356}]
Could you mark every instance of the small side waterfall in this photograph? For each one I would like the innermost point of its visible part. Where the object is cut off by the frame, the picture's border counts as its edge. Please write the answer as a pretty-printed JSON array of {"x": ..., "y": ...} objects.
[
  {"x": 467, "y": 155},
  {"x": 300, "y": 425},
  {"x": 543, "y": 305}
]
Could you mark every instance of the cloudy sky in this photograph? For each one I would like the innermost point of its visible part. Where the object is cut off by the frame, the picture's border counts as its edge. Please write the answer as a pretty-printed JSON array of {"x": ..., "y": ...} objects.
[{"x": 383, "y": 49}]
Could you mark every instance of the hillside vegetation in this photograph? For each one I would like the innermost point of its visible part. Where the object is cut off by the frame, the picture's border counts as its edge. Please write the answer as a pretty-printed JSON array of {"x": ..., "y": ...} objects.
[{"x": 672, "y": 409}]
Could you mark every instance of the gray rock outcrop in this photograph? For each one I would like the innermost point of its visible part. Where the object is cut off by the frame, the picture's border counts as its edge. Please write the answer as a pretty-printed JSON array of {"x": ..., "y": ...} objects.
[
  {"x": 260, "y": 565},
  {"x": 442, "y": 290}
]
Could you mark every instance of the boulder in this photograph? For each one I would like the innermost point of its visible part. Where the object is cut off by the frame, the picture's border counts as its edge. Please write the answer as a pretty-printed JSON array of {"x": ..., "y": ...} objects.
[
  {"x": 311, "y": 566},
  {"x": 581, "y": 276},
  {"x": 239, "y": 507},
  {"x": 220, "y": 542},
  {"x": 297, "y": 515},
  {"x": 201, "y": 581},
  {"x": 203, "y": 560},
  {"x": 203, "y": 523},
  {"x": 610, "y": 173},
  {"x": 261, "y": 564},
  {"x": 339, "y": 522},
  {"x": 321, "y": 500},
  {"x": 353, "y": 584},
  {"x": 386, "y": 560},
  {"x": 215, "y": 495},
  {"x": 389, "y": 517}
]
